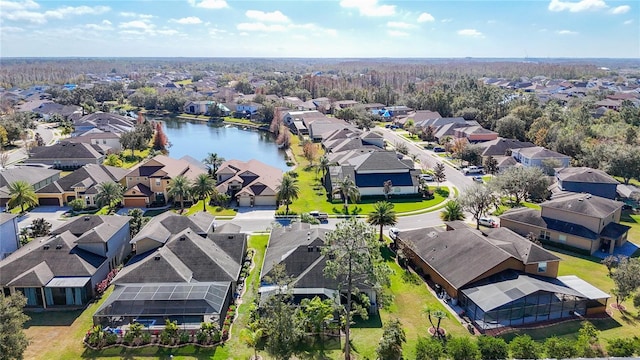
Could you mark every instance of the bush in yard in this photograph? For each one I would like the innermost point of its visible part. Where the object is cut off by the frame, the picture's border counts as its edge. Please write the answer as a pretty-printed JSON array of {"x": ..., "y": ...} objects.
[
  {"x": 621, "y": 347},
  {"x": 390, "y": 345},
  {"x": 493, "y": 348},
  {"x": 77, "y": 204},
  {"x": 523, "y": 347},
  {"x": 429, "y": 349},
  {"x": 462, "y": 348},
  {"x": 560, "y": 348},
  {"x": 169, "y": 334}
]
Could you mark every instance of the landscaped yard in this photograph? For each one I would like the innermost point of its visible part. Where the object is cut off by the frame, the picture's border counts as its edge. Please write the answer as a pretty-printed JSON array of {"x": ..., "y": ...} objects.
[
  {"x": 313, "y": 195},
  {"x": 213, "y": 210},
  {"x": 633, "y": 221}
]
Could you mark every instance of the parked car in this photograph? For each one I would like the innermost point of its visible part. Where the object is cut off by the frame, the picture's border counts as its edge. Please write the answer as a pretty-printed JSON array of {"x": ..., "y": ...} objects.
[
  {"x": 627, "y": 207},
  {"x": 320, "y": 216},
  {"x": 473, "y": 170},
  {"x": 393, "y": 233},
  {"x": 487, "y": 221},
  {"x": 426, "y": 177},
  {"x": 478, "y": 179},
  {"x": 438, "y": 149}
]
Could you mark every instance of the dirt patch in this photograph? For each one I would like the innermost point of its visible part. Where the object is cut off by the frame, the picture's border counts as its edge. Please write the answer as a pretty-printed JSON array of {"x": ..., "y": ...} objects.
[{"x": 618, "y": 307}]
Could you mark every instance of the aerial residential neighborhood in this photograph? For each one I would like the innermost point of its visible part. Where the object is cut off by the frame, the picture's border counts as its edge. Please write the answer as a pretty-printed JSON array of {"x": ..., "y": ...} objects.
[{"x": 345, "y": 183}]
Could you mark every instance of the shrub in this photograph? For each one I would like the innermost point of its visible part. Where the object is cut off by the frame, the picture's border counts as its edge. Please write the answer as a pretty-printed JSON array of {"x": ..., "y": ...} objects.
[
  {"x": 429, "y": 349},
  {"x": 306, "y": 218},
  {"x": 169, "y": 334},
  {"x": 560, "y": 348},
  {"x": 621, "y": 347},
  {"x": 184, "y": 337},
  {"x": 462, "y": 348},
  {"x": 77, "y": 204},
  {"x": 493, "y": 348},
  {"x": 523, "y": 347}
]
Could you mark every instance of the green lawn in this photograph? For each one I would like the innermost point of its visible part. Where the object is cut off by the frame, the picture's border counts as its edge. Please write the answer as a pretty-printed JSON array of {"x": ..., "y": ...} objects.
[
  {"x": 139, "y": 155},
  {"x": 313, "y": 195},
  {"x": 213, "y": 210},
  {"x": 633, "y": 221},
  {"x": 414, "y": 138}
]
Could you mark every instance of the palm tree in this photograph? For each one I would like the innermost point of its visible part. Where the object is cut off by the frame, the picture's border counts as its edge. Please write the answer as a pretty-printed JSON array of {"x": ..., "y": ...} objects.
[
  {"x": 348, "y": 190},
  {"x": 288, "y": 190},
  {"x": 179, "y": 188},
  {"x": 382, "y": 215},
  {"x": 202, "y": 188},
  {"x": 108, "y": 194},
  {"x": 251, "y": 338},
  {"x": 21, "y": 193},
  {"x": 323, "y": 165},
  {"x": 452, "y": 211},
  {"x": 213, "y": 162}
]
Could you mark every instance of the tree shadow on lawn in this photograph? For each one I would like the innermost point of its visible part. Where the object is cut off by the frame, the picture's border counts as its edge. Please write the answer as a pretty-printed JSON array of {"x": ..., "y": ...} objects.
[
  {"x": 150, "y": 352},
  {"x": 569, "y": 329},
  {"x": 52, "y": 318},
  {"x": 372, "y": 322},
  {"x": 314, "y": 348}
]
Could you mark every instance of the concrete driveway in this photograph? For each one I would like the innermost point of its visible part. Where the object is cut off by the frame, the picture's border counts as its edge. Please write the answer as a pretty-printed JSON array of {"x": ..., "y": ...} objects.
[{"x": 52, "y": 214}]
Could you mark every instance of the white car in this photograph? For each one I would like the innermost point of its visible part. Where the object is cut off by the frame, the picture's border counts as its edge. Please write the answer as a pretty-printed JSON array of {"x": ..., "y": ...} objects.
[
  {"x": 487, "y": 221},
  {"x": 426, "y": 177},
  {"x": 393, "y": 233},
  {"x": 478, "y": 179}
]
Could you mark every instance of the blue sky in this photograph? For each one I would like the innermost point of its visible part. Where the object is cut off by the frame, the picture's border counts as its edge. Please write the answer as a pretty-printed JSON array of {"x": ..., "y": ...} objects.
[{"x": 327, "y": 28}]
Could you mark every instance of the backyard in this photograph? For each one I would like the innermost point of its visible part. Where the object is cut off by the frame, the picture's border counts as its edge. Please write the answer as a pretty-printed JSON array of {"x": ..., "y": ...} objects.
[{"x": 313, "y": 195}]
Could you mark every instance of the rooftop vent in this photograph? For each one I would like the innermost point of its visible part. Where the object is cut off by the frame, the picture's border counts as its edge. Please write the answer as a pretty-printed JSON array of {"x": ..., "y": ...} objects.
[
  {"x": 58, "y": 246},
  {"x": 230, "y": 236},
  {"x": 182, "y": 238},
  {"x": 87, "y": 218},
  {"x": 46, "y": 247},
  {"x": 157, "y": 257}
]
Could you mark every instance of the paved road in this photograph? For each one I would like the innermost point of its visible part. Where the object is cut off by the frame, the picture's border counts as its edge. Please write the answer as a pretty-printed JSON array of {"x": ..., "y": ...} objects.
[{"x": 48, "y": 136}]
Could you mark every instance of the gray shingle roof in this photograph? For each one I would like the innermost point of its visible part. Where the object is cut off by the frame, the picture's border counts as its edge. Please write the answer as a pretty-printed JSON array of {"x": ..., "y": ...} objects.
[
  {"x": 93, "y": 228},
  {"x": 500, "y": 146},
  {"x": 89, "y": 175},
  {"x": 585, "y": 175},
  {"x": 585, "y": 204},
  {"x": 64, "y": 150}
]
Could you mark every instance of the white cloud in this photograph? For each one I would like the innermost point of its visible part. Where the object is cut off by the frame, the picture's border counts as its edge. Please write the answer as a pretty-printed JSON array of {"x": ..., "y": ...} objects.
[
  {"x": 400, "y": 25},
  {"x": 137, "y": 24},
  {"x": 209, "y": 4},
  {"x": 491, "y": 22},
  {"x": 17, "y": 12},
  {"x": 100, "y": 27},
  {"x": 244, "y": 34},
  {"x": 566, "y": 32},
  {"x": 628, "y": 22},
  {"x": 396, "y": 33},
  {"x": 18, "y": 5},
  {"x": 11, "y": 29},
  {"x": 190, "y": 20},
  {"x": 369, "y": 7},
  {"x": 582, "y": 5},
  {"x": 106, "y": 22},
  {"x": 314, "y": 29},
  {"x": 446, "y": 20},
  {"x": 274, "y": 16},
  {"x": 622, "y": 9},
  {"x": 260, "y": 27},
  {"x": 470, "y": 33},
  {"x": 168, "y": 32},
  {"x": 133, "y": 14},
  {"x": 425, "y": 17}
]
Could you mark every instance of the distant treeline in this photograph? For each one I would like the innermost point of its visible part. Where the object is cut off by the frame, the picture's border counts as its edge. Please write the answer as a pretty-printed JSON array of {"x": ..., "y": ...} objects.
[{"x": 395, "y": 72}]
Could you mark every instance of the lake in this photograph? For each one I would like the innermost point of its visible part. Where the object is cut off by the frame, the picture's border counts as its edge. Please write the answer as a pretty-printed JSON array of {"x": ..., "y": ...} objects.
[{"x": 198, "y": 139}]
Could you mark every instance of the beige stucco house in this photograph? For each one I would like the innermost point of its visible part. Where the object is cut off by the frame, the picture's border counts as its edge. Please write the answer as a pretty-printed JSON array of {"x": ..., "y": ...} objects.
[
  {"x": 249, "y": 183},
  {"x": 578, "y": 221}
]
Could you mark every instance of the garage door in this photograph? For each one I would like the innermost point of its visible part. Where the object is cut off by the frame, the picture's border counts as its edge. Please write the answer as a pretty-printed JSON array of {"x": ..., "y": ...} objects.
[
  {"x": 266, "y": 200},
  {"x": 135, "y": 202},
  {"x": 49, "y": 202},
  {"x": 244, "y": 201}
]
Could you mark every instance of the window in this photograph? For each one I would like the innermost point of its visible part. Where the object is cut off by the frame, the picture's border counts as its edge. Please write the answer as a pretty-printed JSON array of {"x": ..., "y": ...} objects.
[
  {"x": 104, "y": 141},
  {"x": 157, "y": 182},
  {"x": 562, "y": 238},
  {"x": 545, "y": 235},
  {"x": 542, "y": 267}
]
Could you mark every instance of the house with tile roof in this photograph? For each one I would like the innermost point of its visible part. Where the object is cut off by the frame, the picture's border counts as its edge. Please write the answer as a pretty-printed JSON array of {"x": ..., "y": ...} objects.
[
  {"x": 107, "y": 122},
  {"x": 249, "y": 183},
  {"x": 98, "y": 137},
  {"x": 67, "y": 155},
  {"x": 148, "y": 182},
  {"x": 183, "y": 270},
  {"x": 581, "y": 222},
  {"x": 82, "y": 184},
  {"x": 585, "y": 180},
  {"x": 493, "y": 273},
  {"x": 63, "y": 270}
]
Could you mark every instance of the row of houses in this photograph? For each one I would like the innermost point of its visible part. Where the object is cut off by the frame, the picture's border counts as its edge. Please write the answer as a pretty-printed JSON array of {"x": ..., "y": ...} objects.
[{"x": 186, "y": 269}]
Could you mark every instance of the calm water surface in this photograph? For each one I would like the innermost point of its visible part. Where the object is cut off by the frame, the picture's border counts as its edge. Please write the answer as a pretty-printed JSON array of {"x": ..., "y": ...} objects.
[{"x": 197, "y": 139}]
